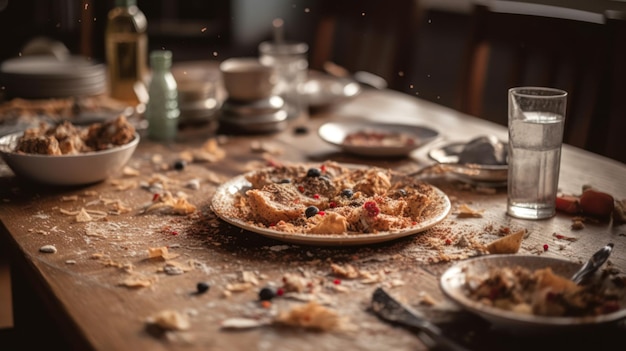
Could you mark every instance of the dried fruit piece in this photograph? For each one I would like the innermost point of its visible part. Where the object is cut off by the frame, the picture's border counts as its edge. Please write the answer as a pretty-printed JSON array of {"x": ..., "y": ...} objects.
[
  {"x": 568, "y": 204},
  {"x": 597, "y": 203}
]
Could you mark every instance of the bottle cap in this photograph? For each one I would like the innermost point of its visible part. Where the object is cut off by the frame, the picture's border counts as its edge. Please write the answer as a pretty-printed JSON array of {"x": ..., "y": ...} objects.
[
  {"x": 125, "y": 3},
  {"x": 161, "y": 59}
]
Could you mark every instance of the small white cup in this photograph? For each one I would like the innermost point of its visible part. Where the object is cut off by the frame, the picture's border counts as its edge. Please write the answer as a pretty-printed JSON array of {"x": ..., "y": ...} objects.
[{"x": 246, "y": 79}]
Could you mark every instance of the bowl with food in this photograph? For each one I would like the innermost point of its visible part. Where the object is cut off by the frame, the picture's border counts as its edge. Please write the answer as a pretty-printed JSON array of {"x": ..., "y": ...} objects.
[
  {"x": 65, "y": 154},
  {"x": 527, "y": 293}
]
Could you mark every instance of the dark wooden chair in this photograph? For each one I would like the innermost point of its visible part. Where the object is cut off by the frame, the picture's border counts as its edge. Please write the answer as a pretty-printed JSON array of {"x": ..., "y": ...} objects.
[
  {"x": 609, "y": 133},
  {"x": 524, "y": 44},
  {"x": 367, "y": 35}
]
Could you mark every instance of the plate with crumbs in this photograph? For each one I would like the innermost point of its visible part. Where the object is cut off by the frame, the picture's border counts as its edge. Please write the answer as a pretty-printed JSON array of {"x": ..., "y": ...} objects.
[
  {"x": 373, "y": 139},
  {"x": 232, "y": 203},
  {"x": 462, "y": 282}
]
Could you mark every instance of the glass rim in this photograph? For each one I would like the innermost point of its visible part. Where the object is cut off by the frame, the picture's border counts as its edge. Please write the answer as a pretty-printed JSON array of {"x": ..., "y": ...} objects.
[{"x": 525, "y": 92}]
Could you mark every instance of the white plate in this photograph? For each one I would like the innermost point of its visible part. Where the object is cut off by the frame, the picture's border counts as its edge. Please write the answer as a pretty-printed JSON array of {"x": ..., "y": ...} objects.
[
  {"x": 448, "y": 155},
  {"x": 336, "y": 132},
  {"x": 322, "y": 89},
  {"x": 225, "y": 199},
  {"x": 453, "y": 280}
]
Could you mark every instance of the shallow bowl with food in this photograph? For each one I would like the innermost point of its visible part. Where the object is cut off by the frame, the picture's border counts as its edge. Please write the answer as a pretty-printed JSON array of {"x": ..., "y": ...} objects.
[
  {"x": 376, "y": 139},
  {"x": 66, "y": 170},
  {"x": 454, "y": 284}
]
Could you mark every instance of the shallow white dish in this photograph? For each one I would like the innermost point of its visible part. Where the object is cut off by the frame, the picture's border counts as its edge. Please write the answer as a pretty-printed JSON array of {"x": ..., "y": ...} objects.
[
  {"x": 453, "y": 280},
  {"x": 322, "y": 89},
  {"x": 224, "y": 200},
  {"x": 448, "y": 156},
  {"x": 336, "y": 132},
  {"x": 85, "y": 168}
]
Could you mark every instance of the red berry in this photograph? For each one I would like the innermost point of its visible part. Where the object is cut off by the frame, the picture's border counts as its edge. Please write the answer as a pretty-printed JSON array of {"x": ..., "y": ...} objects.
[
  {"x": 372, "y": 208},
  {"x": 337, "y": 281},
  {"x": 545, "y": 247}
]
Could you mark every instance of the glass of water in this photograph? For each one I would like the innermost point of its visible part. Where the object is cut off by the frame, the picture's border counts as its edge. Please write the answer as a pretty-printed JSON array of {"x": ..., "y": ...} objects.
[
  {"x": 536, "y": 121},
  {"x": 291, "y": 64}
]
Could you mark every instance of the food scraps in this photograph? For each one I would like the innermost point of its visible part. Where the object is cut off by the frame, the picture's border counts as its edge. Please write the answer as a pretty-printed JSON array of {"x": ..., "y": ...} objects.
[
  {"x": 464, "y": 211},
  {"x": 332, "y": 199},
  {"x": 310, "y": 316},
  {"x": 169, "y": 320},
  {"x": 169, "y": 204},
  {"x": 544, "y": 293},
  {"x": 508, "y": 244},
  {"x": 592, "y": 202}
]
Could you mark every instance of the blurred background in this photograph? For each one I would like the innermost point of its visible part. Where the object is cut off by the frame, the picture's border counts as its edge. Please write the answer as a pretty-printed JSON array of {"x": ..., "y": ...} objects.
[{"x": 418, "y": 46}]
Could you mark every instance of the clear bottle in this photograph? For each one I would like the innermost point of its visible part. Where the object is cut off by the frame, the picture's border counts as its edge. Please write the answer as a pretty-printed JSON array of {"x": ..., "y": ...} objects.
[
  {"x": 126, "y": 48},
  {"x": 162, "y": 112}
]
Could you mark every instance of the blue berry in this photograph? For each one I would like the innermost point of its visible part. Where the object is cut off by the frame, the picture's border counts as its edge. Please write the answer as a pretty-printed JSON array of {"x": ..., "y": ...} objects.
[
  {"x": 313, "y": 172},
  {"x": 311, "y": 211},
  {"x": 202, "y": 287},
  {"x": 348, "y": 193},
  {"x": 401, "y": 192},
  {"x": 267, "y": 293},
  {"x": 284, "y": 181},
  {"x": 179, "y": 165}
]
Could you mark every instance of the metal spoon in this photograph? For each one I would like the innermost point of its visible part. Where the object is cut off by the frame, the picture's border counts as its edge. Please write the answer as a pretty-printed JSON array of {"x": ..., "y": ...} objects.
[
  {"x": 595, "y": 262},
  {"x": 387, "y": 308}
]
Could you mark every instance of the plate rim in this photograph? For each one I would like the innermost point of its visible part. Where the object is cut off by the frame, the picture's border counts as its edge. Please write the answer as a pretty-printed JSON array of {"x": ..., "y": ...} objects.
[
  {"x": 325, "y": 239},
  {"x": 377, "y": 150},
  {"x": 453, "y": 278}
]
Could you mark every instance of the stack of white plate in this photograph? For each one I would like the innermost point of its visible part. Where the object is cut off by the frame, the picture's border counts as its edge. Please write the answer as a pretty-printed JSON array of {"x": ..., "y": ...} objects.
[{"x": 45, "y": 76}]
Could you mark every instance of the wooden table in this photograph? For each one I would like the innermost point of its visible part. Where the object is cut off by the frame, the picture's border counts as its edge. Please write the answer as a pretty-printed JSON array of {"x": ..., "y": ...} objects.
[{"x": 81, "y": 282}]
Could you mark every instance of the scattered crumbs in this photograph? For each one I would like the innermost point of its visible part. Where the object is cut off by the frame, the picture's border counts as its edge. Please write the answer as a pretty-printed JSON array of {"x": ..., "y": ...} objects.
[
  {"x": 90, "y": 193},
  {"x": 48, "y": 249},
  {"x": 564, "y": 237},
  {"x": 169, "y": 320},
  {"x": 193, "y": 184},
  {"x": 577, "y": 223},
  {"x": 137, "y": 282},
  {"x": 426, "y": 300},
  {"x": 169, "y": 204},
  {"x": 277, "y": 248},
  {"x": 130, "y": 172},
  {"x": 156, "y": 159},
  {"x": 465, "y": 211},
  {"x": 509, "y": 244},
  {"x": 310, "y": 316},
  {"x": 241, "y": 323},
  {"x": 69, "y": 198},
  {"x": 160, "y": 252},
  {"x": 70, "y": 262}
]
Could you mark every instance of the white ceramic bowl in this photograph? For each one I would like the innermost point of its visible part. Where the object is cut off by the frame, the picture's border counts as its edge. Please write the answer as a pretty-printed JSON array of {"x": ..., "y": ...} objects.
[
  {"x": 246, "y": 79},
  {"x": 452, "y": 283},
  {"x": 84, "y": 168}
]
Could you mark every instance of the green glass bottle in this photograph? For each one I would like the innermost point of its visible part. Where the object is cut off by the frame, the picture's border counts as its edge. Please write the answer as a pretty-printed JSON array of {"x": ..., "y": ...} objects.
[{"x": 162, "y": 112}]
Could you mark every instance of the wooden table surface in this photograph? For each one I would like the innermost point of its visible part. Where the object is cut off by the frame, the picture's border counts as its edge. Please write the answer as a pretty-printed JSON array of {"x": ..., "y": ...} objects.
[{"x": 82, "y": 281}]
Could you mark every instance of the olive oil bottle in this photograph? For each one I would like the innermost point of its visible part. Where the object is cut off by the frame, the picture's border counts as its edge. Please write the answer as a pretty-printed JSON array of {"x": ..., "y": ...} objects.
[{"x": 126, "y": 48}]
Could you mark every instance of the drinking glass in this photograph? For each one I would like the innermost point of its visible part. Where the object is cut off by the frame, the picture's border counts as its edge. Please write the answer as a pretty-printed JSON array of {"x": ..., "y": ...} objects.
[
  {"x": 291, "y": 64},
  {"x": 536, "y": 121}
]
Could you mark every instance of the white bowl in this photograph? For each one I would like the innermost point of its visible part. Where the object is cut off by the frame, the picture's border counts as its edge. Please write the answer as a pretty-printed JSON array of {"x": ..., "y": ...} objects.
[
  {"x": 84, "y": 168},
  {"x": 246, "y": 79},
  {"x": 453, "y": 281}
]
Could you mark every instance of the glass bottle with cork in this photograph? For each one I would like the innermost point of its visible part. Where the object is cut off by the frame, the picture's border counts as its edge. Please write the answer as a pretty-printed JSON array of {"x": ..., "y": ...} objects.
[
  {"x": 162, "y": 111},
  {"x": 126, "y": 48}
]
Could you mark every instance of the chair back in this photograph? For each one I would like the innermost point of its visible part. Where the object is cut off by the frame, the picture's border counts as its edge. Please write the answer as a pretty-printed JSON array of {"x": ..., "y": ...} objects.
[
  {"x": 524, "y": 44},
  {"x": 367, "y": 35}
]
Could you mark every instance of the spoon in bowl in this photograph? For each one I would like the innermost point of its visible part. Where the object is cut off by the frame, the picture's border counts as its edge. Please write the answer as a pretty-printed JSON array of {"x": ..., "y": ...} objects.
[{"x": 595, "y": 262}]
